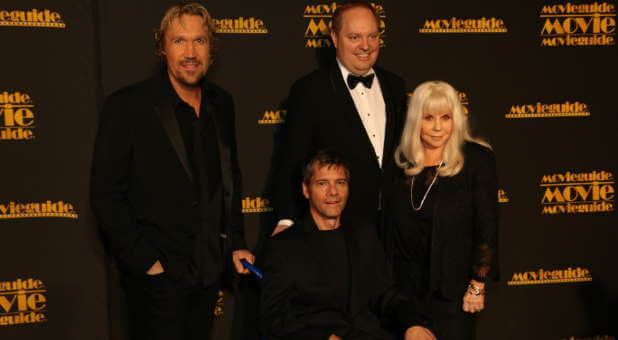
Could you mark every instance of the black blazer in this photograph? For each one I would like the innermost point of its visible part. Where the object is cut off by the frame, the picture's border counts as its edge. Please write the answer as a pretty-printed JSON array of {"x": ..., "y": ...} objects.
[
  {"x": 142, "y": 189},
  {"x": 321, "y": 114},
  {"x": 465, "y": 222},
  {"x": 296, "y": 302}
]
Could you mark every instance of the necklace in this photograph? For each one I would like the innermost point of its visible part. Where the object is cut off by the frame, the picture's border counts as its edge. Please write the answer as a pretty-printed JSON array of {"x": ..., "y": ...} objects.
[{"x": 426, "y": 192}]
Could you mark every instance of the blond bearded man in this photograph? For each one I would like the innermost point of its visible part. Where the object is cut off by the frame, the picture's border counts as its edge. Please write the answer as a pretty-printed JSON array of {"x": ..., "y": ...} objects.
[{"x": 165, "y": 184}]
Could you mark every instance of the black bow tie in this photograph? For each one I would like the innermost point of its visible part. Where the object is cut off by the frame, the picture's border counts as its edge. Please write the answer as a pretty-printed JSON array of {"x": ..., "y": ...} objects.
[{"x": 353, "y": 80}]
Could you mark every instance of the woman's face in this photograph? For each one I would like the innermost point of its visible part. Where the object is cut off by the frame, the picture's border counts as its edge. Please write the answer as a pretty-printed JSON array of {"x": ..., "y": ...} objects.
[{"x": 436, "y": 128}]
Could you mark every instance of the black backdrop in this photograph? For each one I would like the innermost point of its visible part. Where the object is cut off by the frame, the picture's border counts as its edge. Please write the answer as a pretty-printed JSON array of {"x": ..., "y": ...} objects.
[{"x": 548, "y": 111}]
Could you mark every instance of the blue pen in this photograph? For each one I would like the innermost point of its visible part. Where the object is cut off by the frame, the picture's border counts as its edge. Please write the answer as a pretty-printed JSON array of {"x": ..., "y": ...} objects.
[{"x": 252, "y": 269}]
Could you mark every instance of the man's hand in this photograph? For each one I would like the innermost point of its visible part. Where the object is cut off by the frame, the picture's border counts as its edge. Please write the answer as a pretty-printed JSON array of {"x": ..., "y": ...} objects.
[
  {"x": 240, "y": 254},
  {"x": 279, "y": 228},
  {"x": 419, "y": 333},
  {"x": 334, "y": 337},
  {"x": 156, "y": 268},
  {"x": 474, "y": 303}
]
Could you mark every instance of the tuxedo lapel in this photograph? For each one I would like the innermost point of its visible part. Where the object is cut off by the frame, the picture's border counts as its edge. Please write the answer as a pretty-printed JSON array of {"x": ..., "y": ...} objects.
[
  {"x": 215, "y": 109},
  {"x": 165, "y": 111},
  {"x": 390, "y": 111},
  {"x": 346, "y": 105}
]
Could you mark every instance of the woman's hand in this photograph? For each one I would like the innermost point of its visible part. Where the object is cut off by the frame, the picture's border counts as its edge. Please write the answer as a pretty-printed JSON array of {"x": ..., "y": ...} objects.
[{"x": 472, "y": 302}]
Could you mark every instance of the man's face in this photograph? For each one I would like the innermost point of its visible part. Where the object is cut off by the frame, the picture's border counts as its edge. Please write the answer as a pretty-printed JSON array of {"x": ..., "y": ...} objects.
[
  {"x": 327, "y": 192},
  {"x": 358, "y": 40},
  {"x": 187, "y": 50}
]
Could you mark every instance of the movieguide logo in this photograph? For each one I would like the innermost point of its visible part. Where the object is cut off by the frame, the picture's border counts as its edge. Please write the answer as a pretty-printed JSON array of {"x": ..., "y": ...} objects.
[
  {"x": 572, "y": 193},
  {"x": 241, "y": 25},
  {"x": 22, "y": 301},
  {"x": 319, "y": 20},
  {"x": 541, "y": 110},
  {"x": 469, "y": 25},
  {"x": 273, "y": 117},
  {"x": 16, "y": 116},
  {"x": 543, "y": 276},
  {"x": 12, "y": 210},
  {"x": 256, "y": 205},
  {"x": 587, "y": 24},
  {"x": 31, "y": 18}
]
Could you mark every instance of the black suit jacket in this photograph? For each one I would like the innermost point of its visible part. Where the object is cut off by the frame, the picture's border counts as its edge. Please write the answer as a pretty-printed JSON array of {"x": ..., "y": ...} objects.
[
  {"x": 465, "y": 225},
  {"x": 321, "y": 115},
  {"x": 142, "y": 189},
  {"x": 296, "y": 303}
]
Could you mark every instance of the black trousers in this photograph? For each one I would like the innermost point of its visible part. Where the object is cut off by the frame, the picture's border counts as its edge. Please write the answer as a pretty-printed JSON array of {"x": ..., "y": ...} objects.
[{"x": 161, "y": 308}]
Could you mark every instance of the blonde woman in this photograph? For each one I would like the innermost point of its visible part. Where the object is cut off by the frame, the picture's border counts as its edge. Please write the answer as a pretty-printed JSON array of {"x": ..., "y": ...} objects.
[{"x": 441, "y": 211}]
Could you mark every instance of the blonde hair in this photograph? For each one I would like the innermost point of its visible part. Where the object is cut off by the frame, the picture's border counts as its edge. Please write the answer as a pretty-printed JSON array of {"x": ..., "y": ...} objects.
[
  {"x": 432, "y": 96},
  {"x": 177, "y": 11}
]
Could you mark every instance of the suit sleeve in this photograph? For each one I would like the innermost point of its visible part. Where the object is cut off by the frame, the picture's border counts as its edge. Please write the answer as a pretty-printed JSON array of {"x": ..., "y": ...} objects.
[
  {"x": 295, "y": 144},
  {"x": 109, "y": 185},
  {"x": 485, "y": 189}
]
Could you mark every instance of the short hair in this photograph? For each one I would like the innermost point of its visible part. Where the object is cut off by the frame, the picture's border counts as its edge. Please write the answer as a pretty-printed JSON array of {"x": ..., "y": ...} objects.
[
  {"x": 177, "y": 11},
  {"x": 323, "y": 158},
  {"x": 432, "y": 96},
  {"x": 347, "y": 5}
]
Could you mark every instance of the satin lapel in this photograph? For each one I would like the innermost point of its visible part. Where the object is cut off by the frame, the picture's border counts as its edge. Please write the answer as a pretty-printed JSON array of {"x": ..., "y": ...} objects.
[
  {"x": 215, "y": 110},
  {"x": 347, "y": 107},
  {"x": 390, "y": 110},
  {"x": 354, "y": 269},
  {"x": 165, "y": 111}
]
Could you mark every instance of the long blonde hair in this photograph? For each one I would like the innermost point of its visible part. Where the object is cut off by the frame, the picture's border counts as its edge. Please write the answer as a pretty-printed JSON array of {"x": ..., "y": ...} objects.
[{"x": 432, "y": 96}]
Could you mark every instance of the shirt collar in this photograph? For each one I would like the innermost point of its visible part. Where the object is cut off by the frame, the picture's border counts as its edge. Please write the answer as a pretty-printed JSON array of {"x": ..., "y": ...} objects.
[
  {"x": 170, "y": 91},
  {"x": 345, "y": 71}
]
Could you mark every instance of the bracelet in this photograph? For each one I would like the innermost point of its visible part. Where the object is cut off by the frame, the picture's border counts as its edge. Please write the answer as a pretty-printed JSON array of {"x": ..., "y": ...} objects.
[{"x": 474, "y": 290}]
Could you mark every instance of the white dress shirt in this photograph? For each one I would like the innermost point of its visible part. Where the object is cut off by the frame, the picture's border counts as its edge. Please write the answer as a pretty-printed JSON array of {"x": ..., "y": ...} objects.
[{"x": 371, "y": 109}]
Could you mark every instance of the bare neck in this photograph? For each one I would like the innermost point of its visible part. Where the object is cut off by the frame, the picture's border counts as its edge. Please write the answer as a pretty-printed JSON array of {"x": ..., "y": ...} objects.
[
  {"x": 433, "y": 156},
  {"x": 325, "y": 223}
]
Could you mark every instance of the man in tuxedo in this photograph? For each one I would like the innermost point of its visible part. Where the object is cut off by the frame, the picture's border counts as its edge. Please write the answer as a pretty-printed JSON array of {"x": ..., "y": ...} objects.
[
  {"x": 165, "y": 184},
  {"x": 327, "y": 277},
  {"x": 351, "y": 106}
]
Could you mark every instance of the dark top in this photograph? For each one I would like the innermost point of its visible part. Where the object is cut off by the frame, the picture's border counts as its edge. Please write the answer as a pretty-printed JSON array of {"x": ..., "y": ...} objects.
[
  {"x": 413, "y": 228},
  {"x": 462, "y": 211},
  {"x": 333, "y": 256},
  {"x": 198, "y": 129}
]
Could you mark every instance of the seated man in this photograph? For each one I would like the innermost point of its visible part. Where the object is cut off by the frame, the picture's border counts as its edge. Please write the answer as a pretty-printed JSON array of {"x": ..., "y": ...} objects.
[{"x": 327, "y": 278}]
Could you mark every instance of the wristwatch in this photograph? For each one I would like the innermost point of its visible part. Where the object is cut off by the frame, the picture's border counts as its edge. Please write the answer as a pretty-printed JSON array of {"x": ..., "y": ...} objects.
[{"x": 474, "y": 290}]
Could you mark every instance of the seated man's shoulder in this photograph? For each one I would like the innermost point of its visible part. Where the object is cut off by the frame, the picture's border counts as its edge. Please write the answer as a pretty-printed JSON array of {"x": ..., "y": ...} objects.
[
  {"x": 360, "y": 226},
  {"x": 289, "y": 235}
]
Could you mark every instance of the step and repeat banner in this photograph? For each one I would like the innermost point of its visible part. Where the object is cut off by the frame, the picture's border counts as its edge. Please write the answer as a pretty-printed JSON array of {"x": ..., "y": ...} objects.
[{"x": 537, "y": 78}]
